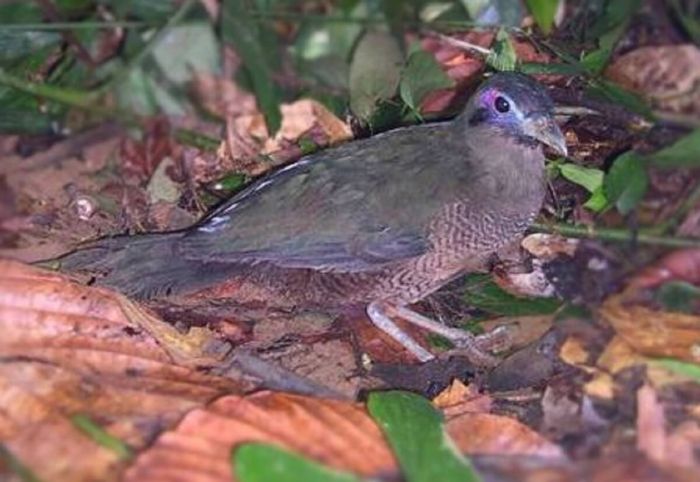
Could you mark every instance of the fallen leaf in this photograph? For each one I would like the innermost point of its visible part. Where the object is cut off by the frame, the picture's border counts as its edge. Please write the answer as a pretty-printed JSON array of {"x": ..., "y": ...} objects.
[
  {"x": 548, "y": 246},
  {"x": 460, "y": 398},
  {"x": 249, "y": 137},
  {"x": 69, "y": 349},
  {"x": 574, "y": 352},
  {"x": 667, "y": 75},
  {"x": 338, "y": 434},
  {"x": 485, "y": 433}
]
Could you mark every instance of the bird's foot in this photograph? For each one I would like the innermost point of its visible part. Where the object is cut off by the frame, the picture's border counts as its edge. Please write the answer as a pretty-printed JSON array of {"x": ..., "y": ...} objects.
[{"x": 474, "y": 348}]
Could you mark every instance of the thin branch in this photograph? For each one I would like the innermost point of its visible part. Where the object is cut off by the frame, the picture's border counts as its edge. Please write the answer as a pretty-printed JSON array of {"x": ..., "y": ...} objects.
[
  {"x": 75, "y": 25},
  {"x": 616, "y": 235},
  {"x": 462, "y": 44}
]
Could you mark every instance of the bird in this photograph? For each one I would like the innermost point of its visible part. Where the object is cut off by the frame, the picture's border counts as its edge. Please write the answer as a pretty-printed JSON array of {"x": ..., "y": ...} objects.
[{"x": 380, "y": 222}]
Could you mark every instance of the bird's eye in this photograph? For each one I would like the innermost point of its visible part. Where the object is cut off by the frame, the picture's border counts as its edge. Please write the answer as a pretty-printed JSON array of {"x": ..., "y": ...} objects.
[{"x": 502, "y": 105}]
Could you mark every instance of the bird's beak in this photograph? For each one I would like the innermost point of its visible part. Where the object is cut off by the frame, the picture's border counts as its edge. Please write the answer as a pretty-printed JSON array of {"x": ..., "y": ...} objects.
[{"x": 544, "y": 129}]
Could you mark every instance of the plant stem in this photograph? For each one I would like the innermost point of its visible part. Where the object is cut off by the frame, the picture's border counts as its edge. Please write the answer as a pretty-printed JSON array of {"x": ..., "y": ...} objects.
[
  {"x": 74, "y": 25},
  {"x": 461, "y": 44},
  {"x": 616, "y": 235},
  {"x": 62, "y": 95},
  {"x": 71, "y": 97}
]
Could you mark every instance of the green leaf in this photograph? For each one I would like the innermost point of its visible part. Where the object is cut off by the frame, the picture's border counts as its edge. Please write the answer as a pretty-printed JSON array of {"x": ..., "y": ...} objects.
[
  {"x": 421, "y": 76},
  {"x": 482, "y": 293},
  {"x": 375, "y": 72},
  {"x": 626, "y": 182},
  {"x": 687, "y": 15},
  {"x": 188, "y": 48},
  {"x": 609, "y": 29},
  {"x": 238, "y": 30},
  {"x": 591, "y": 179},
  {"x": 683, "y": 153},
  {"x": 256, "y": 462},
  {"x": 690, "y": 370},
  {"x": 503, "y": 56},
  {"x": 543, "y": 11},
  {"x": 678, "y": 296},
  {"x": 597, "y": 202},
  {"x": 415, "y": 430},
  {"x": 505, "y": 13},
  {"x": 101, "y": 437},
  {"x": 588, "y": 177}
]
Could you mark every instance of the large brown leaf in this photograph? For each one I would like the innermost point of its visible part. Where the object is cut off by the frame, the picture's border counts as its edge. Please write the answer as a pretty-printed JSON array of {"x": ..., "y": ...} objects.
[{"x": 68, "y": 349}]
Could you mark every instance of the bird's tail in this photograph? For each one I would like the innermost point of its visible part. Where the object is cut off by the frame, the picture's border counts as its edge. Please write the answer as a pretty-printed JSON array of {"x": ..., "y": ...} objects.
[{"x": 144, "y": 266}]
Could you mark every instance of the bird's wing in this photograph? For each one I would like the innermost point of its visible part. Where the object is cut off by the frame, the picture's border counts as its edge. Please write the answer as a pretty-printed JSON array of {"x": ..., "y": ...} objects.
[{"x": 356, "y": 207}]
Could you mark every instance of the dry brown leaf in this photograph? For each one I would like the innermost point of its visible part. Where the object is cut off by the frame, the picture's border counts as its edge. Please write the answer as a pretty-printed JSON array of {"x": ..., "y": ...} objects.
[
  {"x": 459, "y": 398},
  {"x": 669, "y": 76},
  {"x": 339, "y": 434},
  {"x": 648, "y": 329},
  {"x": 652, "y": 332},
  {"x": 601, "y": 386},
  {"x": 248, "y": 136},
  {"x": 489, "y": 434},
  {"x": 549, "y": 246},
  {"x": 574, "y": 352},
  {"x": 69, "y": 349},
  {"x": 222, "y": 96}
]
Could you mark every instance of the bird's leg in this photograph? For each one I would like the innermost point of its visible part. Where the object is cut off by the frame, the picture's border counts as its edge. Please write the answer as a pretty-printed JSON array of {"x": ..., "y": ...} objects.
[
  {"x": 474, "y": 347},
  {"x": 377, "y": 312}
]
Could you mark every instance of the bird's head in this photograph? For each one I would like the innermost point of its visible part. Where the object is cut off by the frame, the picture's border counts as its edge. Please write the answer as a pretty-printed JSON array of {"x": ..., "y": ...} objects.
[{"x": 519, "y": 107}]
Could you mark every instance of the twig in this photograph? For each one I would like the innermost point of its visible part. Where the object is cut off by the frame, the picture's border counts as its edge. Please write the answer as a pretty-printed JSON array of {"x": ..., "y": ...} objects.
[
  {"x": 75, "y": 25},
  {"x": 612, "y": 112},
  {"x": 71, "y": 97},
  {"x": 263, "y": 15},
  {"x": 273, "y": 376},
  {"x": 462, "y": 44},
  {"x": 616, "y": 235}
]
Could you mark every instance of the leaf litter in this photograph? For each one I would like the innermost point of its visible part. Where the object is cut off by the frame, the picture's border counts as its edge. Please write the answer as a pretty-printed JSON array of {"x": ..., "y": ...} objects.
[{"x": 582, "y": 377}]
